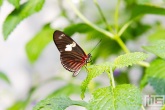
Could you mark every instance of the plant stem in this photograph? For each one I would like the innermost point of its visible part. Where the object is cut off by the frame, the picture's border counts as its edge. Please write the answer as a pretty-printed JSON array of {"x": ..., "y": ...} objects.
[
  {"x": 121, "y": 43},
  {"x": 124, "y": 28},
  {"x": 117, "y": 15},
  {"x": 112, "y": 78},
  {"x": 115, "y": 37},
  {"x": 110, "y": 75},
  {"x": 143, "y": 63},
  {"x": 88, "y": 22},
  {"x": 143, "y": 107},
  {"x": 102, "y": 15}
]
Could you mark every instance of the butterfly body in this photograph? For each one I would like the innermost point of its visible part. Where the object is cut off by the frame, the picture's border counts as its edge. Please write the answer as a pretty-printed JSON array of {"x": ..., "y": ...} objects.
[{"x": 72, "y": 56}]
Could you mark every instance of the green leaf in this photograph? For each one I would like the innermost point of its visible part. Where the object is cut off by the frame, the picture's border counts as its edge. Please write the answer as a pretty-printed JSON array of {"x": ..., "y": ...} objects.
[
  {"x": 58, "y": 103},
  {"x": 155, "y": 76},
  {"x": 157, "y": 48},
  {"x": 4, "y": 77},
  {"x": 16, "y": 16},
  {"x": 66, "y": 90},
  {"x": 36, "y": 45},
  {"x": 147, "y": 9},
  {"x": 125, "y": 97},
  {"x": 1, "y": 2},
  {"x": 158, "y": 35},
  {"x": 133, "y": 31},
  {"x": 80, "y": 28},
  {"x": 15, "y": 3},
  {"x": 20, "y": 105},
  {"x": 163, "y": 108},
  {"x": 143, "y": 1},
  {"x": 129, "y": 59},
  {"x": 122, "y": 78},
  {"x": 93, "y": 71}
]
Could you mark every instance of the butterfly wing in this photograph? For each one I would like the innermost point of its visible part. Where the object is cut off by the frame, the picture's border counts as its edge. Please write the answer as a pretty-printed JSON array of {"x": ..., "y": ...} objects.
[{"x": 72, "y": 56}]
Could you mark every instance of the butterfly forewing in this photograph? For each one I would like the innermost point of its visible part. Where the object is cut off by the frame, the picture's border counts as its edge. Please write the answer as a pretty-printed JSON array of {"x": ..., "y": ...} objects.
[{"x": 72, "y": 56}]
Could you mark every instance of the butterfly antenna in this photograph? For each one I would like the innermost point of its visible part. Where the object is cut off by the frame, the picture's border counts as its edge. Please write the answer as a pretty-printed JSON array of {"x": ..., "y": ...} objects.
[{"x": 96, "y": 45}]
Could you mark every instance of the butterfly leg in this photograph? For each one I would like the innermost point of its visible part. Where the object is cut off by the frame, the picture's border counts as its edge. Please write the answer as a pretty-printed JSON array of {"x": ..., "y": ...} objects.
[{"x": 86, "y": 69}]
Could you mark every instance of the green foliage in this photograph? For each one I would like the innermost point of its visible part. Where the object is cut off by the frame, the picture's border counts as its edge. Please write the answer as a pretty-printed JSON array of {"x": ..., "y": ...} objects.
[
  {"x": 36, "y": 45},
  {"x": 94, "y": 71},
  {"x": 155, "y": 76},
  {"x": 157, "y": 48},
  {"x": 105, "y": 48},
  {"x": 16, "y": 16},
  {"x": 143, "y": 1},
  {"x": 133, "y": 31},
  {"x": 58, "y": 103},
  {"x": 124, "y": 96},
  {"x": 1, "y": 2},
  {"x": 158, "y": 35},
  {"x": 129, "y": 59},
  {"x": 163, "y": 108},
  {"x": 4, "y": 77},
  {"x": 80, "y": 28},
  {"x": 15, "y": 3},
  {"x": 147, "y": 9},
  {"x": 66, "y": 90},
  {"x": 20, "y": 105},
  {"x": 122, "y": 78}
]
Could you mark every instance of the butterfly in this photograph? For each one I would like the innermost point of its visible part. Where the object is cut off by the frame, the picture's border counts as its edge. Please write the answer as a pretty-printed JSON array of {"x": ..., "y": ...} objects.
[{"x": 72, "y": 56}]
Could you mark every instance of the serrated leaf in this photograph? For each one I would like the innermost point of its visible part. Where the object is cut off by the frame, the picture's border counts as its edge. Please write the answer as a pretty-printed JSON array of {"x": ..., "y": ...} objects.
[
  {"x": 129, "y": 59},
  {"x": 80, "y": 28},
  {"x": 158, "y": 35},
  {"x": 147, "y": 9},
  {"x": 66, "y": 90},
  {"x": 36, "y": 45},
  {"x": 15, "y": 3},
  {"x": 155, "y": 76},
  {"x": 125, "y": 97},
  {"x": 16, "y": 16},
  {"x": 93, "y": 71},
  {"x": 4, "y": 77},
  {"x": 157, "y": 48},
  {"x": 58, "y": 103}
]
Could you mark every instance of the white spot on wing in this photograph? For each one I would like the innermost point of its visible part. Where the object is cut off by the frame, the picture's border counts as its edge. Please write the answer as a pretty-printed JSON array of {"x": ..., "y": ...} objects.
[
  {"x": 62, "y": 35},
  {"x": 73, "y": 44},
  {"x": 69, "y": 46}
]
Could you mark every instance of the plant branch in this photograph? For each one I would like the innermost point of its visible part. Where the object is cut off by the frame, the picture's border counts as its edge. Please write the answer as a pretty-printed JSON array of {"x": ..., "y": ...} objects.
[
  {"x": 121, "y": 43},
  {"x": 143, "y": 63},
  {"x": 115, "y": 37},
  {"x": 110, "y": 75},
  {"x": 143, "y": 107},
  {"x": 102, "y": 15},
  {"x": 88, "y": 22},
  {"x": 124, "y": 28},
  {"x": 117, "y": 15}
]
